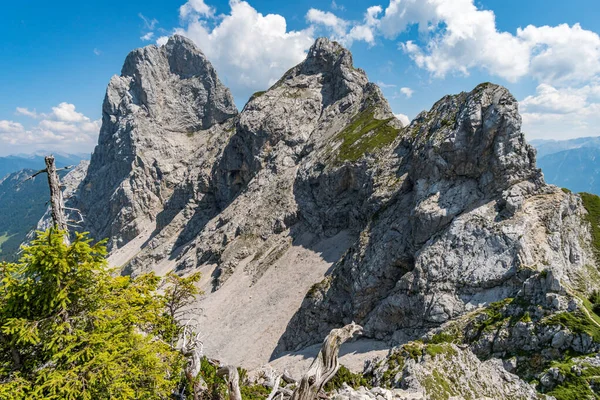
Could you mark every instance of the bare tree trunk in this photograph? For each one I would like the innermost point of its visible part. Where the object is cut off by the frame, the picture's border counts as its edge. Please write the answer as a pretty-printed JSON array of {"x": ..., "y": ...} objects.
[
  {"x": 56, "y": 198},
  {"x": 191, "y": 348},
  {"x": 275, "y": 388},
  {"x": 233, "y": 381},
  {"x": 325, "y": 366}
]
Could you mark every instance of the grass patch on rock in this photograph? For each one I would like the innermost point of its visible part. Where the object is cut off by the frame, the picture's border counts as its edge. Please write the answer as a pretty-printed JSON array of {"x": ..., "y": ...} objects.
[
  {"x": 591, "y": 202},
  {"x": 445, "y": 349},
  {"x": 364, "y": 135},
  {"x": 577, "y": 381},
  {"x": 254, "y": 392},
  {"x": 577, "y": 322},
  {"x": 256, "y": 95},
  {"x": 438, "y": 387}
]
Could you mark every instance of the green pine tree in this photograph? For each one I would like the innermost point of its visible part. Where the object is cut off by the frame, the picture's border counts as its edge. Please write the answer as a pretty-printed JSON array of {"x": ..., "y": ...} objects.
[{"x": 71, "y": 329}]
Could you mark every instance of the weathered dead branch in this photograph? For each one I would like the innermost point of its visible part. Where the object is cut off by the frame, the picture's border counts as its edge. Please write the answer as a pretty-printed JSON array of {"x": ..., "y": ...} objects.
[
  {"x": 325, "y": 366},
  {"x": 233, "y": 381}
]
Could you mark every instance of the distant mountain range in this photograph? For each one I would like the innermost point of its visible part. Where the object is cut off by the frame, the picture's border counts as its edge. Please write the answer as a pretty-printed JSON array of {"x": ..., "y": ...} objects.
[
  {"x": 14, "y": 163},
  {"x": 23, "y": 203},
  {"x": 572, "y": 164}
]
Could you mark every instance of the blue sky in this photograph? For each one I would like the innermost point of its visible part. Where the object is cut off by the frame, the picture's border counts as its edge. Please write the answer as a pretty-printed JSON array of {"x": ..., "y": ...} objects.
[{"x": 57, "y": 57}]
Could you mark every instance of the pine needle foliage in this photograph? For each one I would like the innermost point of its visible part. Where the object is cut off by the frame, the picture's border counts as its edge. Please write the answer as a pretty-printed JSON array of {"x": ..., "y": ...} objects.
[{"x": 71, "y": 329}]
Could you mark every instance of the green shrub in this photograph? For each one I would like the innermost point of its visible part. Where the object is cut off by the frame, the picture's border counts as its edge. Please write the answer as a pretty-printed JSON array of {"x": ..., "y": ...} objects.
[
  {"x": 70, "y": 328},
  {"x": 344, "y": 375},
  {"x": 254, "y": 392},
  {"x": 445, "y": 337}
]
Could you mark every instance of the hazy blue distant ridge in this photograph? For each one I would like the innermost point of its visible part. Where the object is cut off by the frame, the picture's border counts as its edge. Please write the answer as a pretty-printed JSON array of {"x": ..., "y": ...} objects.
[{"x": 573, "y": 164}]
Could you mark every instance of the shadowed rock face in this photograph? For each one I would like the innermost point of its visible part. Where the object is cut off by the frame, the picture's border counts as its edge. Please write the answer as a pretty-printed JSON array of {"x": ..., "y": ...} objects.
[
  {"x": 450, "y": 237},
  {"x": 436, "y": 219},
  {"x": 151, "y": 117}
]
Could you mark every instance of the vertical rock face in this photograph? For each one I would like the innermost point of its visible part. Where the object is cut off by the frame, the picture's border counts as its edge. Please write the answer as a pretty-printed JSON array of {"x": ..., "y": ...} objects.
[
  {"x": 151, "y": 119},
  {"x": 469, "y": 216},
  {"x": 314, "y": 207}
]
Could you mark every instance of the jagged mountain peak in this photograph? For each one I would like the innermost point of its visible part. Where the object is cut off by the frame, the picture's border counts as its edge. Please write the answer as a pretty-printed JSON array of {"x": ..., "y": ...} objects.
[
  {"x": 314, "y": 206},
  {"x": 477, "y": 135},
  {"x": 184, "y": 57},
  {"x": 326, "y": 54},
  {"x": 175, "y": 84},
  {"x": 328, "y": 68},
  {"x": 298, "y": 116},
  {"x": 157, "y": 117}
]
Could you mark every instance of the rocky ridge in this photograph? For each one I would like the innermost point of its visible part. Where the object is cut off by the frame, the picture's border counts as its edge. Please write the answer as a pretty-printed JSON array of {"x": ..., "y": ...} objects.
[{"x": 314, "y": 206}]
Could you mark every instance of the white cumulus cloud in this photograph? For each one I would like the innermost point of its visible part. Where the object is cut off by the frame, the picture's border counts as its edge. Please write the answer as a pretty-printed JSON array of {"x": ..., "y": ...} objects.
[
  {"x": 195, "y": 8},
  {"x": 408, "y": 92},
  {"x": 66, "y": 112},
  {"x": 561, "y": 113},
  {"x": 346, "y": 32},
  {"x": 63, "y": 129},
  {"x": 250, "y": 50},
  {"x": 148, "y": 36},
  {"x": 562, "y": 54},
  {"x": 457, "y": 36},
  {"x": 403, "y": 118},
  {"x": 10, "y": 127},
  {"x": 327, "y": 19},
  {"x": 26, "y": 112}
]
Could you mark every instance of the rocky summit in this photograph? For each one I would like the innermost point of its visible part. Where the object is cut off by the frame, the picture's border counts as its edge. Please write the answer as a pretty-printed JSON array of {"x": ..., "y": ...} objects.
[{"x": 314, "y": 207}]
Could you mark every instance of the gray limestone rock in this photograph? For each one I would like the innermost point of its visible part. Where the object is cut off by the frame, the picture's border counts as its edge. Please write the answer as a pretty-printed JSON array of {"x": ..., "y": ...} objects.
[
  {"x": 166, "y": 103},
  {"x": 440, "y": 218},
  {"x": 445, "y": 371}
]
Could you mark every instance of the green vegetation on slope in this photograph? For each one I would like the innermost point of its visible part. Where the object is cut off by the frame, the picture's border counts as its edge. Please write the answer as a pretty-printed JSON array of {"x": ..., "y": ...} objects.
[
  {"x": 70, "y": 329},
  {"x": 576, "y": 322},
  {"x": 22, "y": 204},
  {"x": 591, "y": 202},
  {"x": 256, "y": 95},
  {"x": 3, "y": 240},
  {"x": 578, "y": 381},
  {"x": 365, "y": 134},
  {"x": 344, "y": 375}
]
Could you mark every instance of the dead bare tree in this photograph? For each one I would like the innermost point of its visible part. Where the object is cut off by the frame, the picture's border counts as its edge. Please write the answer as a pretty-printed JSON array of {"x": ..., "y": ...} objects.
[
  {"x": 191, "y": 348},
  {"x": 322, "y": 369},
  {"x": 325, "y": 366},
  {"x": 233, "y": 381},
  {"x": 275, "y": 388},
  {"x": 57, "y": 205}
]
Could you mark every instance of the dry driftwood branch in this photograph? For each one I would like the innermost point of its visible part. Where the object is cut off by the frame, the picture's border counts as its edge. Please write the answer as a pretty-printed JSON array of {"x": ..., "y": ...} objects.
[
  {"x": 287, "y": 378},
  {"x": 275, "y": 388},
  {"x": 325, "y": 366},
  {"x": 32, "y": 177},
  {"x": 233, "y": 381},
  {"x": 42, "y": 171},
  {"x": 72, "y": 222},
  {"x": 192, "y": 348}
]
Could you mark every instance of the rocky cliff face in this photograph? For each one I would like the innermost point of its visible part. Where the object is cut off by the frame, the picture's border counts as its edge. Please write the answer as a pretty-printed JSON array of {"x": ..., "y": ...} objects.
[
  {"x": 314, "y": 206},
  {"x": 156, "y": 118},
  {"x": 471, "y": 218}
]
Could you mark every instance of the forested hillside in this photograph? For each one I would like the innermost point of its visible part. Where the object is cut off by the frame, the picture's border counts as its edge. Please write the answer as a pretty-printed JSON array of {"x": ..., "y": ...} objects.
[{"x": 22, "y": 204}]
